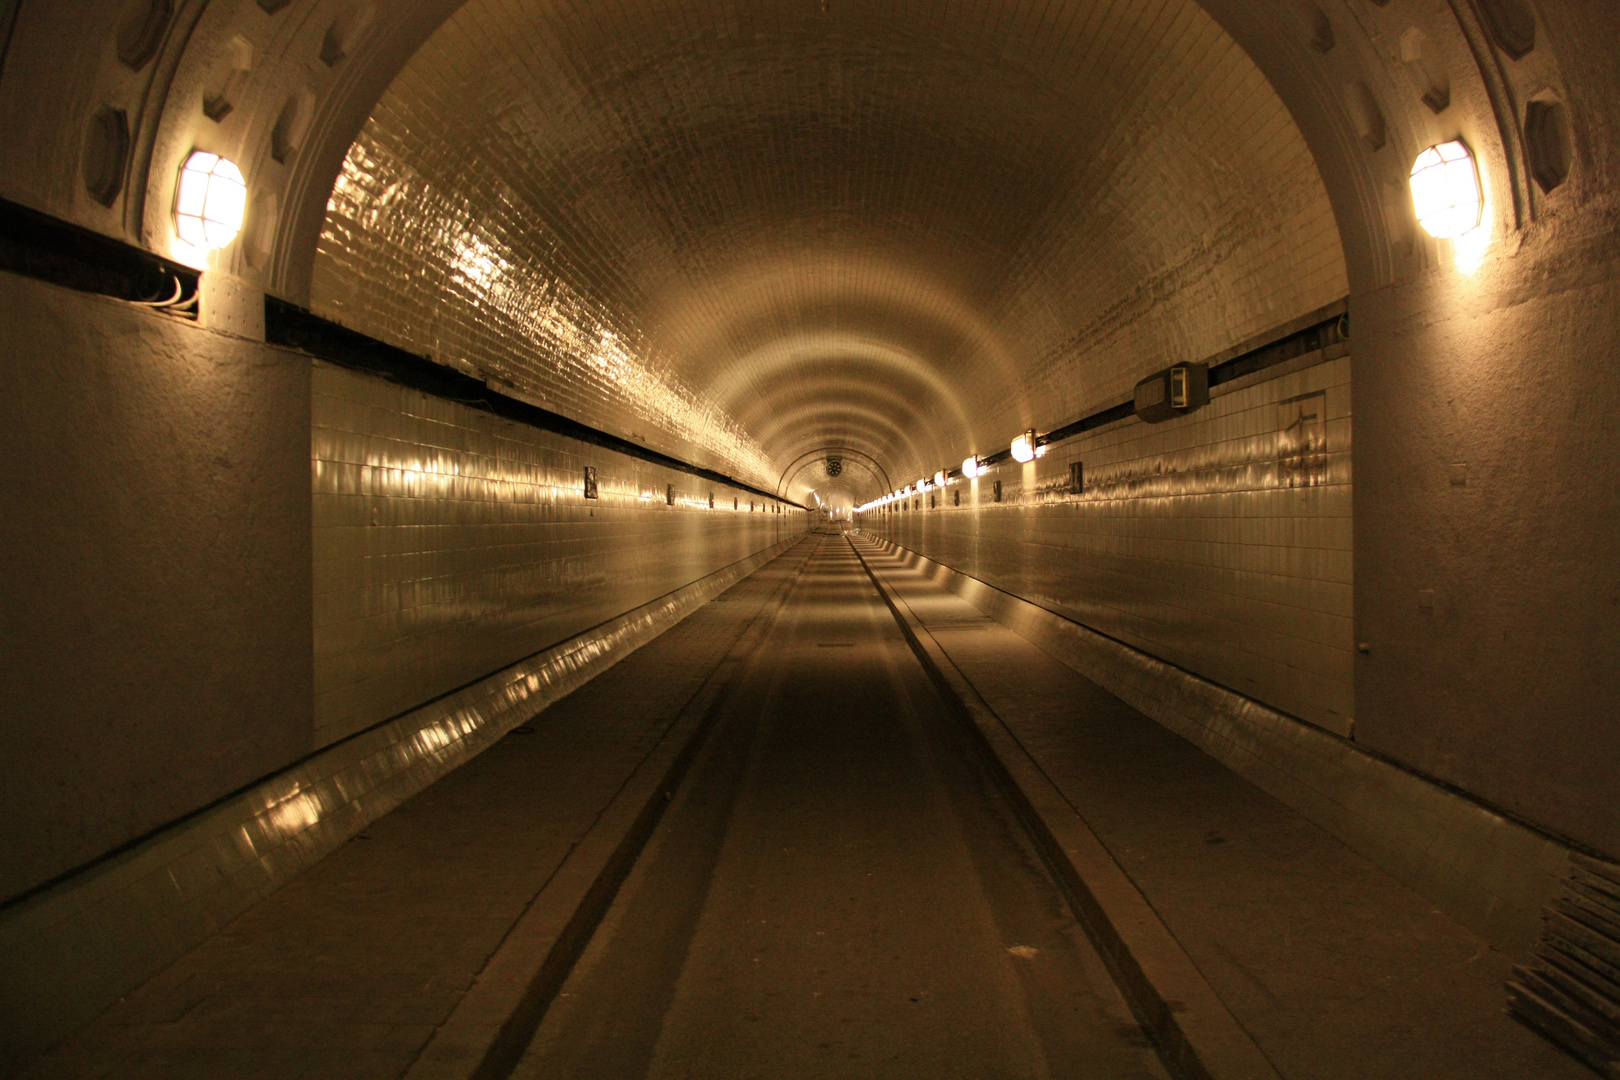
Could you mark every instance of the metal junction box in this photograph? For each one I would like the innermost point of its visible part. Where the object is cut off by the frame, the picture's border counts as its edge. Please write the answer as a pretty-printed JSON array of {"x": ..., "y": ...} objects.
[{"x": 1173, "y": 392}]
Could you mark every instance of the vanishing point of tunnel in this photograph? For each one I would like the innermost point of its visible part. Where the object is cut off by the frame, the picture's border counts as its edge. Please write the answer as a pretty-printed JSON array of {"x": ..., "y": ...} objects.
[{"x": 810, "y": 538}]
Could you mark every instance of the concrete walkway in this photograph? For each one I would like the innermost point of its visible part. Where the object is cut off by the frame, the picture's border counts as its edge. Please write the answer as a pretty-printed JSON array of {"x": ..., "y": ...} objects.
[
  {"x": 839, "y": 888},
  {"x": 348, "y": 971},
  {"x": 839, "y": 891},
  {"x": 1334, "y": 969}
]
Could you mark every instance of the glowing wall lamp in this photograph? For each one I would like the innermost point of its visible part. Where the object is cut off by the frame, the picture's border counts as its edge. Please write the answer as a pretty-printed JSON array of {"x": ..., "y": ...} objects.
[
  {"x": 1446, "y": 190},
  {"x": 210, "y": 202},
  {"x": 939, "y": 478},
  {"x": 1026, "y": 449},
  {"x": 970, "y": 467}
]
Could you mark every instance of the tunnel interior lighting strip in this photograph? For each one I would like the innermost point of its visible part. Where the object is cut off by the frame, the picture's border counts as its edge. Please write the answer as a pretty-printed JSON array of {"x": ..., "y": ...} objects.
[{"x": 1321, "y": 333}]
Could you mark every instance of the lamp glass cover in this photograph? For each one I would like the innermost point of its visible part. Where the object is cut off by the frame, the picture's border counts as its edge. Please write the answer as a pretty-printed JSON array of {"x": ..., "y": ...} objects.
[
  {"x": 1023, "y": 447},
  {"x": 1446, "y": 190},
  {"x": 210, "y": 202}
]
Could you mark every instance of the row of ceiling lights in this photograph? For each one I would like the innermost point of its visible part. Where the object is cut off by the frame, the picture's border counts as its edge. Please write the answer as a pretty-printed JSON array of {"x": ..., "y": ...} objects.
[
  {"x": 1450, "y": 203},
  {"x": 1026, "y": 448}
]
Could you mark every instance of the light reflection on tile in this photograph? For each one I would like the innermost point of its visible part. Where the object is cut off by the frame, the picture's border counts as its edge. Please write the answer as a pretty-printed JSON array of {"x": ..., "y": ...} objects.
[
  {"x": 76, "y": 947},
  {"x": 667, "y": 221},
  {"x": 449, "y": 543},
  {"x": 1493, "y": 874},
  {"x": 1183, "y": 544}
]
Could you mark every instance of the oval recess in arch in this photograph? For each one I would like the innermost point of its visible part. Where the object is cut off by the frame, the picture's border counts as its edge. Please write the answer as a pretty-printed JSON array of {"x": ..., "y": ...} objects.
[
  {"x": 1427, "y": 69},
  {"x": 346, "y": 32},
  {"x": 1319, "y": 28},
  {"x": 292, "y": 125},
  {"x": 105, "y": 154},
  {"x": 259, "y": 243},
  {"x": 1365, "y": 113},
  {"x": 1512, "y": 26},
  {"x": 141, "y": 29},
  {"x": 1547, "y": 142}
]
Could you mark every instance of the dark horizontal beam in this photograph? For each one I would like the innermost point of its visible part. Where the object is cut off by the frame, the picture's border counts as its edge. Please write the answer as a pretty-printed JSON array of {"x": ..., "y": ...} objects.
[
  {"x": 1316, "y": 336},
  {"x": 1311, "y": 339},
  {"x": 40, "y": 246},
  {"x": 46, "y": 248},
  {"x": 294, "y": 327}
]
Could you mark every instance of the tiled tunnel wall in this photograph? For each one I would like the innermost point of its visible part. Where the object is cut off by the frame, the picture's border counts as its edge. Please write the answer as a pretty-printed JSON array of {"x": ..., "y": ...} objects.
[
  {"x": 454, "y": 278},
  {"x": 1151, "y": 121},
  {"x": 449, "y": 543},
  {"x": 165, "y": 645},
  {"x": 606, "y": 219},
  {"x": 743, "y": 232},
  {"x": 1221, "y": 542},
  {"x": 1121, "y": 188}
]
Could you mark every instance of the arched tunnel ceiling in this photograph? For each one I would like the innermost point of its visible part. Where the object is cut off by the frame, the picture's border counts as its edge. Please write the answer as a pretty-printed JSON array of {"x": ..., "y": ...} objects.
[{"x": 739, "y": 232}]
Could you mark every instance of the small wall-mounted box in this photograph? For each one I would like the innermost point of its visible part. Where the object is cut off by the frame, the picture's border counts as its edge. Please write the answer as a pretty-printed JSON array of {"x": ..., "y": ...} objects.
[{"x": 1173, "y": 392}]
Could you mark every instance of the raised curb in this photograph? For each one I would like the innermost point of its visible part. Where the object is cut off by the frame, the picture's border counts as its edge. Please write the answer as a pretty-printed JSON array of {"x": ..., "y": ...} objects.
[
  {"x": 487, "y": 1033},
  {"x": 72, "y": 950},
  {"x": 1490, "y": 873},
  {"x": 1198, "y": 1037}
]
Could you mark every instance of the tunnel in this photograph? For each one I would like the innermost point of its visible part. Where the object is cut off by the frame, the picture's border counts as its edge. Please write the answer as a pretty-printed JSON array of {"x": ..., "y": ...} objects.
[{"x": 795, "y": 538}]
